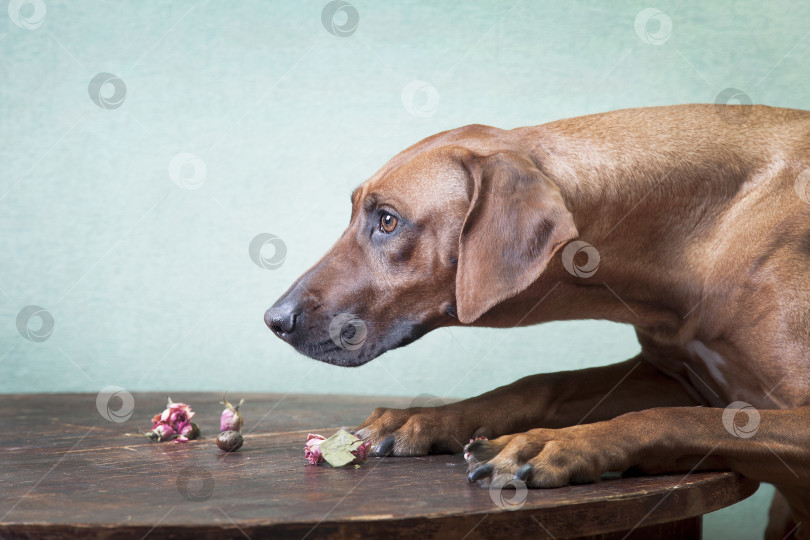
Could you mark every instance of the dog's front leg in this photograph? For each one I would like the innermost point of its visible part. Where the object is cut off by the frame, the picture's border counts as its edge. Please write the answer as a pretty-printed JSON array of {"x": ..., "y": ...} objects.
[
  {"x": 548, "y": 400},
  {"x": 768, "y": 445}
]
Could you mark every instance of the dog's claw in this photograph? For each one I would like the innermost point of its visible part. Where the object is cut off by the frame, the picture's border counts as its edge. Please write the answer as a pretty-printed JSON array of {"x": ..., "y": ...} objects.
[
  {"x": 523, "y": 472},
  {"x": 385, "y": 446},
  {"x": 480, "y": 472}
]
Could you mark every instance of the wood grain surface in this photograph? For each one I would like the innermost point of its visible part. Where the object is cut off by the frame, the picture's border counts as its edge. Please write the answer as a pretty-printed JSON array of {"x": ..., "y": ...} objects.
[{"x": 66, "y": 472}]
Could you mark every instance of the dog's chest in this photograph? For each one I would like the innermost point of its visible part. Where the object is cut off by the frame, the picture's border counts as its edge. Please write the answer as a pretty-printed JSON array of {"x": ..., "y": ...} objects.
[
  {"x": 722, "y": 376},
  {"x": 719, "y": 376}
]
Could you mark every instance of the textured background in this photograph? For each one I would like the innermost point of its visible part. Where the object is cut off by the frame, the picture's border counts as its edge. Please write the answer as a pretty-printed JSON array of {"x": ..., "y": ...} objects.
[{"x": 150, "y": 284}]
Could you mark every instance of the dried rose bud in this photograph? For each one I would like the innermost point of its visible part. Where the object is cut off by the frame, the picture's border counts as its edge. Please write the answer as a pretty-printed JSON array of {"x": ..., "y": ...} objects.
[
  {"x": 188, "y": 432},
  {"x": 362, "y": 451},
  {"x": 161, "y": 431},
  {"x": 467, "y": 455},
  {"x": 175, "y": 414},
  {"x": 312, "y": 449},
  {"x": 230, "y": 441},
  {"x": 174, "y": 422},
  {"x": 231, "y": 419},
  {"x": 338, "y": 450}
]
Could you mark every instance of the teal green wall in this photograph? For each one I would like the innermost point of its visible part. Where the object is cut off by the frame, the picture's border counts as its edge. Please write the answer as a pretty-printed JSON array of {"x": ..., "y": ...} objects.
[{"x": 150, "y": 285}]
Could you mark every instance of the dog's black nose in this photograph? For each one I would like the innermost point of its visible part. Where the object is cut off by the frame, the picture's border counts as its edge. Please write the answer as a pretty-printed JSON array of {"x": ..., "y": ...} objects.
[{"x": 281, "y": 320}]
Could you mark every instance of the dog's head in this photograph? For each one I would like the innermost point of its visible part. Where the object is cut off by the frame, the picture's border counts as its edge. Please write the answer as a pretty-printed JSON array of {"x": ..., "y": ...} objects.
[{"x": 445, "y": 231}]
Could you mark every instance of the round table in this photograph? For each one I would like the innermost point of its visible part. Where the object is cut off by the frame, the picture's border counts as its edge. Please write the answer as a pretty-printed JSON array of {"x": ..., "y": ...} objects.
[{"x": 69, "y": 473}]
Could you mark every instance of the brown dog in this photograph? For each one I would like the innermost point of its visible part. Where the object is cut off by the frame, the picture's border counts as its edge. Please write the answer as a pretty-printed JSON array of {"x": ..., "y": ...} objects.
[{"x": 692, "y": 223}]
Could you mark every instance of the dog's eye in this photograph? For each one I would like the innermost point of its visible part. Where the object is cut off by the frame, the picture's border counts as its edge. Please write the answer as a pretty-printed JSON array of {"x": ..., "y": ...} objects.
[{"x": 388, "y": 223}]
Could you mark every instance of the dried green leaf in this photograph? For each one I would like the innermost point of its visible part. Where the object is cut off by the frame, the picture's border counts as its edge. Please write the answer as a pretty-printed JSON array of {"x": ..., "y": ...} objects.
[{"x": 337, "y": 449}]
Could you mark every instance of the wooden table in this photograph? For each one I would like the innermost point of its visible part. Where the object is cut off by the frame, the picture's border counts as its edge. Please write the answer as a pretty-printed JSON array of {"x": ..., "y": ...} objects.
[{"x": 68, "y": 472}]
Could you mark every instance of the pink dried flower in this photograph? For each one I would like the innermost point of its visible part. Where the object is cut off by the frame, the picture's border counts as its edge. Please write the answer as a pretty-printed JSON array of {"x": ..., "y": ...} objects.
[
  {"x": 231, "y": 419},
  {"x": 312, "y": 449},
  {"x": 174, "y": 422},
  {"x": 362, "y": 451},
  {"x": 314, "y": 454},
  {"x": 468, "y": 455},
  {"x": 187, "y": 432},
  {"x": 161, "y": 432}
]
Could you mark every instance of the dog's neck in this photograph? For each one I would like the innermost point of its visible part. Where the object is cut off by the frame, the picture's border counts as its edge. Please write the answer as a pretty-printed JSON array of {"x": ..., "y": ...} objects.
[{"x": 641, "y": 221}]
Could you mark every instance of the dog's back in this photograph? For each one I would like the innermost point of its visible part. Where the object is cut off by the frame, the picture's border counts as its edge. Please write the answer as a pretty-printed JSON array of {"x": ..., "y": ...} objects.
[{"x": 722, "y": 195}]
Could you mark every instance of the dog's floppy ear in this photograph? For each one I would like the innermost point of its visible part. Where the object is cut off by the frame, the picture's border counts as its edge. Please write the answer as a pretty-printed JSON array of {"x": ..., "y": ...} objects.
[{"x": 517, "y": 220}]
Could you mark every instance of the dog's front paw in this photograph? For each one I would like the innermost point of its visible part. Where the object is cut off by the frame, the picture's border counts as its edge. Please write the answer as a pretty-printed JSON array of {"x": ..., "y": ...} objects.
[
  {"x": 547, "y": 458},
  {"x": 415, "y": 432}
]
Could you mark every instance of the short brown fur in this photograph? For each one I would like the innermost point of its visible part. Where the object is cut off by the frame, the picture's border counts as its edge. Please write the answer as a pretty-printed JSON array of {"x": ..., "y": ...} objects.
[{"x": 704, "y": 247}]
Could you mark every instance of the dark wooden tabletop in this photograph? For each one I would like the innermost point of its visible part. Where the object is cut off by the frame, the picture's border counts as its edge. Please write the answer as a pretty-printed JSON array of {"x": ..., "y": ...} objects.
[{"x": 68, "y": 472}]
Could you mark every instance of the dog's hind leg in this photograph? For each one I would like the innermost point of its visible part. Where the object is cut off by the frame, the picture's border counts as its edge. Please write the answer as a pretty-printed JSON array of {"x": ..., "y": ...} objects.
[
  {"x": 781, "y": 523},
  {"x": 789, "y": 516}
]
